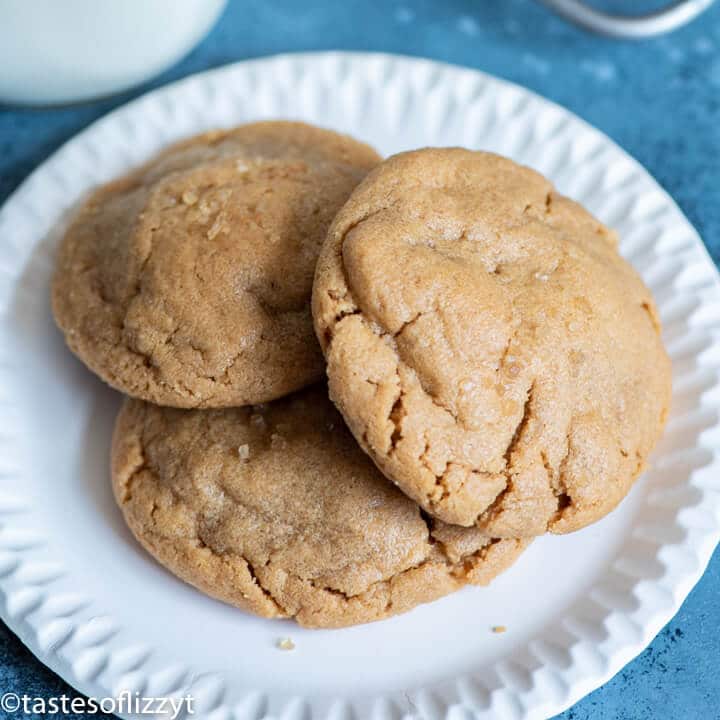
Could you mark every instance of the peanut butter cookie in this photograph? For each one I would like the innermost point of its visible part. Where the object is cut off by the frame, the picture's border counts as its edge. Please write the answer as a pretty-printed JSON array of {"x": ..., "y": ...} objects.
[
  {"x": 276, "y": 510},
  {"x": 487, "y": 345},
  {"x": 187, "y": 283}
]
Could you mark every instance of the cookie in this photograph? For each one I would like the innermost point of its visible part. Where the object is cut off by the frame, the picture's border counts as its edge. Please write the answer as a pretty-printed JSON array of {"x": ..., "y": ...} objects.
[
  {"x": 187, "y": 283},
  {"x": 276, "y": 510},
  {"x": 487, "y": 345}
]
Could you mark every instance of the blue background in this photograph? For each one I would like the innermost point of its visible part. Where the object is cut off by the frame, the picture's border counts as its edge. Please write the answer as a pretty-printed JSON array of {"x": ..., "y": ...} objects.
[{"x": 659, "y": 99}]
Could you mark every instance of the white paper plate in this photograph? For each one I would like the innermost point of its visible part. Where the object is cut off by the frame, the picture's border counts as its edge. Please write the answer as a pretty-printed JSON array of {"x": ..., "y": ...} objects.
[{"x": 97, "y": 610}]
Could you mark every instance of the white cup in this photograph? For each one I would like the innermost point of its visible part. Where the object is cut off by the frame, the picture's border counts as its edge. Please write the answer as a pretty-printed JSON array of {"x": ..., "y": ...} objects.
[{"x": 60, "y": 51}]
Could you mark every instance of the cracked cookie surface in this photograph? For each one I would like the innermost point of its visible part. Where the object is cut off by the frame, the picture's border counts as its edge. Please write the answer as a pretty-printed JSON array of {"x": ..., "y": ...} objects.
[
  {"x": 275, "y": 509},
  {"x": 487, "y": 345},
  {"x": 187, "y": 283}
]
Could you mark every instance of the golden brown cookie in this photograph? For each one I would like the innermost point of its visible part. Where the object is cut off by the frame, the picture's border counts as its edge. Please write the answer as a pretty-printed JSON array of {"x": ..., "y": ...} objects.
[
  {"x": 187, "y": 283},
  {"x": 278, "y": 511},
  {"x": 487, "y": 345}
]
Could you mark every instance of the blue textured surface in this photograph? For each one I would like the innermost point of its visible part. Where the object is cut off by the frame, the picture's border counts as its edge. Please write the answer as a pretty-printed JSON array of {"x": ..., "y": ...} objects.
[{"x": 659, "y": 99}]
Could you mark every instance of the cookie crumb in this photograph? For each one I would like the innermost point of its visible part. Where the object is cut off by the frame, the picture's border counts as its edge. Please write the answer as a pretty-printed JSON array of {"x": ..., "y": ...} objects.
[
  {"x": 513, "y": 369},
  {"x": 189, "y": 197},
  {"x": 244, "y": 452},
  {"x": 499, "y": 629},
  {"x": 285, "y": 644},
  {"x": 217, "y": 227}
]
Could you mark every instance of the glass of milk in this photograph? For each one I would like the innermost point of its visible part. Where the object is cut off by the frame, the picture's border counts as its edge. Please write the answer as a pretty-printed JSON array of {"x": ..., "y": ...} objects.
[{"x": 62, "y": 51}]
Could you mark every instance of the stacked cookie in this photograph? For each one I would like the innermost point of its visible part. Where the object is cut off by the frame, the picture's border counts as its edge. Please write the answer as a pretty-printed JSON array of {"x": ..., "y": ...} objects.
[{"x": 496, "y": 365}]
